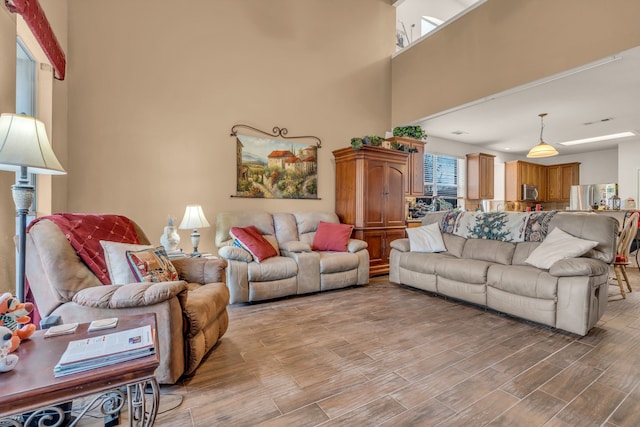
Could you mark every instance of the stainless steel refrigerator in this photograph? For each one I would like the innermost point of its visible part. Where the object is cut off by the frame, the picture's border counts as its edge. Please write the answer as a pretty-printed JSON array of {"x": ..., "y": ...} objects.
[{"x": 587, "y": 197}]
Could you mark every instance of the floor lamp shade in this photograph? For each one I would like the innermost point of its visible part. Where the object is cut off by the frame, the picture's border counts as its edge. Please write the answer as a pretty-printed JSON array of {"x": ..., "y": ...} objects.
[
  {"x": 24, "y": 143},
  {"x": 25, "y": 149}
]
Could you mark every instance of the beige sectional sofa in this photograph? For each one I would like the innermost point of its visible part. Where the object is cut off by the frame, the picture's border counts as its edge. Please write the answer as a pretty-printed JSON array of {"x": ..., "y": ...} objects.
[
  {"x": 297, "y": 269},
  {"x": 570, "y": 295}
]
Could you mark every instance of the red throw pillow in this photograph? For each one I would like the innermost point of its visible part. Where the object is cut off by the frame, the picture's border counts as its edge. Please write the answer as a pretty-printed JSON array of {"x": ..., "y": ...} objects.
[
  {"x": 332, "y": 237},
  {"x": 252, "y": 240}
]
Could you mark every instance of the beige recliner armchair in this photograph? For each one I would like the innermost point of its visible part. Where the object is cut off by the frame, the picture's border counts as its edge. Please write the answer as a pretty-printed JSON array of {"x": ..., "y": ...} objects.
[{"x": 191, "y": 313}]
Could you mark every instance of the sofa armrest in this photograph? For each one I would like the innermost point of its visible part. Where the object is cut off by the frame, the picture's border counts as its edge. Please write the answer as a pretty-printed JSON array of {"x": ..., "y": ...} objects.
[
  {"x": 578, "y": 267},
  {"x": 235, "y": 253},
  {"x": 200, "y": 270},
  {"x": 356, "y": 245},
  {"x": 295, "y": 246},
  {"x": 131, "y": 295},
  {"x": 401, "y": 244}
]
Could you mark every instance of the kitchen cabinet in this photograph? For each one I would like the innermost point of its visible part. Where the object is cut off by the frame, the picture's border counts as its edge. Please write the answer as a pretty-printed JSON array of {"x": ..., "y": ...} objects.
[
  {"x": 370, "y": 185},
  {"x": 517, "y": 173},
  {"x": 414, "y": 179},
  {"x": 480, "y": 176},
  {"x": 560, "y": 178},
  {"x": 554, "y": 181}
]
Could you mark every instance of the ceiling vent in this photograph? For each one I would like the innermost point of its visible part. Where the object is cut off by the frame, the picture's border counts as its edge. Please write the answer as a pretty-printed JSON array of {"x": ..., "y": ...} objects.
[{"x": 598, "y": 121}]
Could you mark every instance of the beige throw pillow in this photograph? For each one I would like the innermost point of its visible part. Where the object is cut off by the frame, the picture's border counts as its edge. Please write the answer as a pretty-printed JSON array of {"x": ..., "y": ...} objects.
[
  {"x": 558, "y": 245},
  {"x": 115, "y": 256},
  {"x": 426, "y": 238}
]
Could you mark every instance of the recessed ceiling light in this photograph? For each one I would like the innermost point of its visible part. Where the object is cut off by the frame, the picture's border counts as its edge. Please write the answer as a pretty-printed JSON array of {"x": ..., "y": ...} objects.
[
  {"x": 598, "y": 138},
  {"x": 459, "y": 132}
]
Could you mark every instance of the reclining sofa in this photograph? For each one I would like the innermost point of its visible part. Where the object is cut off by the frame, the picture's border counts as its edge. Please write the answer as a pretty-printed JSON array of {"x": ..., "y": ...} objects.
[
  {"x": 487, "y": 269},
  {"x": 296, "y": 269}
]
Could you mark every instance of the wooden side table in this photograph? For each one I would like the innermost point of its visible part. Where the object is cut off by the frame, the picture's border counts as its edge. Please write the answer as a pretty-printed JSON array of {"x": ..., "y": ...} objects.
[{"x": 31, "y": 391}]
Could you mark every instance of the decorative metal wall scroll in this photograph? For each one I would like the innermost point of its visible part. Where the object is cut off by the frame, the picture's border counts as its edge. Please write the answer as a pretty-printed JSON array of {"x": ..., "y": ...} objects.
[{"x": 273, "y": 168}]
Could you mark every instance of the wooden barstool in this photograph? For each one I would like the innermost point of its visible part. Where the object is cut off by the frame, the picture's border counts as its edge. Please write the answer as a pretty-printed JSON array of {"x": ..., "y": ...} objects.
[{"x": 628, "y": 233}]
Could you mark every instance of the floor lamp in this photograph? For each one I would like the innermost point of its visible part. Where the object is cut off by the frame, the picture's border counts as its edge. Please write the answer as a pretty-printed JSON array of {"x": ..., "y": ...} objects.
[{"x": 25, "y": 149}]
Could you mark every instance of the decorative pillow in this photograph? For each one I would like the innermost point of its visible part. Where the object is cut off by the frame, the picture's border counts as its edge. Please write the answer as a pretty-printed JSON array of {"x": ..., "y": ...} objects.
[
  {"x": 253, "y": 241},
  {"x": 332, "y": 237},
  {"x": 115, "y": 256},
  {"x": 152, "y": 265},
  {"x": 558, "y": 245},
  {"x": 426, "y": 238}
]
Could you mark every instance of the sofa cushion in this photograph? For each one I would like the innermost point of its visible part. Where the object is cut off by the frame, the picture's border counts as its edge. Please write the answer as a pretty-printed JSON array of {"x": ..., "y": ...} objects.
[
  {"x": 489, "y": 250},
  {"x": 274, "y": 268},
  {"x": 463, "y": 270},
  {"x": 295, "y": 246},
  {"x": 426, "y": 238},
  {"x": 263, "y": 221},
  {"x": 333, "y": 262},
  {"x": 522, "y": 252},
  {"x": 523, "y": 280},
  {"x": 332, "y": 237},
  {"x": 454, "y": 244},
  {"x": 115, "y": 256},
  {"x": 558, "y": 245},
  {"x": 579, "y": 267},
  {"x": 152, "y": 265},
  {"x": 251, "y": 239},
  {"x": 307, "y": 222},
  {"x": 422, "y": 262},
  {"x": 235, "y": 253}
]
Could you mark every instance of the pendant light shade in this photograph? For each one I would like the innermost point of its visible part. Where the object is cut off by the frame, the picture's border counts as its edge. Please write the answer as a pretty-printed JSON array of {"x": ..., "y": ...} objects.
[{"x": 542, "y": 149}]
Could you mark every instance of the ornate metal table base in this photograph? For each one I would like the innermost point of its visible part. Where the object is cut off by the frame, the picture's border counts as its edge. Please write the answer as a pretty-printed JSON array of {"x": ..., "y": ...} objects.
[{"x": 142, "y": 407}]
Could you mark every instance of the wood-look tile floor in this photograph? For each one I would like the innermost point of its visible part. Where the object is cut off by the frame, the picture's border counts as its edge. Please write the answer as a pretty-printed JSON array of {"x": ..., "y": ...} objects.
[{"x": 387, "y": 355}]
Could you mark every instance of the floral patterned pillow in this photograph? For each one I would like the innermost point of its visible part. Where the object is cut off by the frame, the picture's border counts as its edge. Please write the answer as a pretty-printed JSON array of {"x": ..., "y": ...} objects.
[{"x": 152, "y": 265}]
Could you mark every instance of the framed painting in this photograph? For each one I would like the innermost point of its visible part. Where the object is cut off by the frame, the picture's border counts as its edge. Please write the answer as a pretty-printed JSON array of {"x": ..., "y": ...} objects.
[{"x": 273, "y": 166}]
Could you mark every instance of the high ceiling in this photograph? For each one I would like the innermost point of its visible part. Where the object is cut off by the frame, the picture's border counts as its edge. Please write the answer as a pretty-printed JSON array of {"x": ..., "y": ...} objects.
[{"x": 599, "y": 98}]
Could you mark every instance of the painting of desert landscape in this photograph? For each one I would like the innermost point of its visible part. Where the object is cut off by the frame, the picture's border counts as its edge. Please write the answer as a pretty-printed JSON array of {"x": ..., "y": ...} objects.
[{"x": 277, "y": 169}]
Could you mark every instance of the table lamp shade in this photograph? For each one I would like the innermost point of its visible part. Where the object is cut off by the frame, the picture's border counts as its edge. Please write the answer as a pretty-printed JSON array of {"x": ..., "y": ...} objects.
[
  {"x": 194, "y": 218},
  {"x": 24, "y": 143}
]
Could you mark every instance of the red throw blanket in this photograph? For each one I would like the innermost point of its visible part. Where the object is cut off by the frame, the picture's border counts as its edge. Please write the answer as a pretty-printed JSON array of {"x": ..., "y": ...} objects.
[{"x": 84, "y": 232}]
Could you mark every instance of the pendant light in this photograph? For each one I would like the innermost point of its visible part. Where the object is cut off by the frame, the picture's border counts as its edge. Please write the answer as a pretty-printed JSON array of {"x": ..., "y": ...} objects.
[{"x": 542, "y": 149}]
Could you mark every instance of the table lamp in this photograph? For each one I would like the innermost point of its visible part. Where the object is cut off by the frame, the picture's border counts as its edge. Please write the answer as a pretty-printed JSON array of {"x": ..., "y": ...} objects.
[
  {"x": 193, "y": 219},
  {"x": 25, "y": 149}
]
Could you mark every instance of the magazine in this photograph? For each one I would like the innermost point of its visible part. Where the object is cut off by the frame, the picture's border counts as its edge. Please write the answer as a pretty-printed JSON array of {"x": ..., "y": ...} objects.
[{"x": 105, "y": 350}]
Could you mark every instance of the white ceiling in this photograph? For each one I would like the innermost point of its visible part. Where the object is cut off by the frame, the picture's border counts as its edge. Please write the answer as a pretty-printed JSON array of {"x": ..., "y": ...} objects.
[{"x": 576, "y": 101}]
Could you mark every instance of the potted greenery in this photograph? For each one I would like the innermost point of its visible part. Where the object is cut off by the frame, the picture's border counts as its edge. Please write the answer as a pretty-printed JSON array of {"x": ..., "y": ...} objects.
[
  {"x": 405, "y": 138},
  {"x": 415, "y": 132},
  {"x": 373, "y": 140}
]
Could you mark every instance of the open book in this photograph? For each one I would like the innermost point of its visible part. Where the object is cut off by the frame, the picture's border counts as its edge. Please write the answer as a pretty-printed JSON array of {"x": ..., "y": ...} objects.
[{"x": 105, "y": 350}]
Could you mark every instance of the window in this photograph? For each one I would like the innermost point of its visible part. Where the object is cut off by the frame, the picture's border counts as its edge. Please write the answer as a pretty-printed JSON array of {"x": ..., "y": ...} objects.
[
  {"x": 428, "y": 24},
  {"x": 444, "y": 180},
  {"x": 25, "y": 81}
]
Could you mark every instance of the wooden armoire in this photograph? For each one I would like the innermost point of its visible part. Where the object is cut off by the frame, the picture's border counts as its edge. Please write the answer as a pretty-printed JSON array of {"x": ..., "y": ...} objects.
[{"x": 370, "y": 195}]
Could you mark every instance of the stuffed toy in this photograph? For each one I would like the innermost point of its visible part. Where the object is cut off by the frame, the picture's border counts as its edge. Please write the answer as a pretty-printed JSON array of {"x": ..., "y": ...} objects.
[
  {"x": 14, "y": 315},
  {"x": 8, "y": 361}
]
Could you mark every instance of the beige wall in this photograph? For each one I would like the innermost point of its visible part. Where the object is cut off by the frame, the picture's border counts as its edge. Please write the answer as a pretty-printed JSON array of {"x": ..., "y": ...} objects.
[
  {"x": 504, "y": 43},
  {"x": 7, "y": 179},
  {"x": 155, "y": 87}
]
